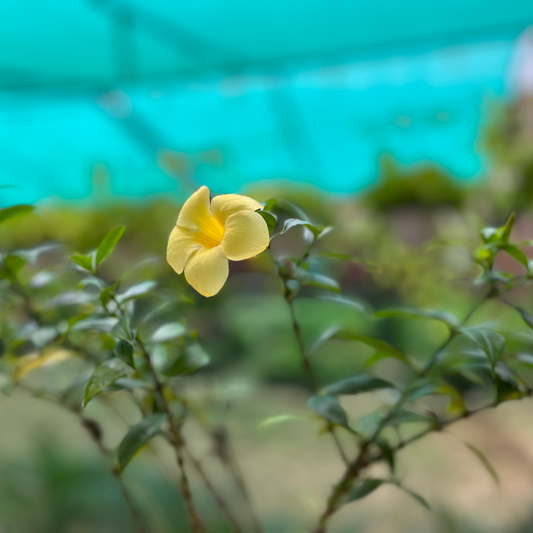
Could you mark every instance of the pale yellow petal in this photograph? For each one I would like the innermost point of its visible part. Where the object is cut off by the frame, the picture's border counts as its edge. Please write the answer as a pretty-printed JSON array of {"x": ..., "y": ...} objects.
[
  {"x": 181, "y": 245},
  {"x": 207, "y": 270},
  {"x": 195, "y": 210},
  {"x": 226, "y": 205},
  {"x": 245, "y": 235}
]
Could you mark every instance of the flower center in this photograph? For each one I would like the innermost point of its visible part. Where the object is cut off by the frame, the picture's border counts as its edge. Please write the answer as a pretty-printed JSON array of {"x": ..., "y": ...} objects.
[{"x": 210, "y": 232}]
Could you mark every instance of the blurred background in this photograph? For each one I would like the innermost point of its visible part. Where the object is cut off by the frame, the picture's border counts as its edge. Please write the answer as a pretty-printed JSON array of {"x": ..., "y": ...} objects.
[{"x": 405, "y": 125}]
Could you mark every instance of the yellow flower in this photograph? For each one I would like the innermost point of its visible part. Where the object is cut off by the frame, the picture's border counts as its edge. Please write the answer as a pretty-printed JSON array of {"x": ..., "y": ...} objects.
[{"x": 207, "y": 234}]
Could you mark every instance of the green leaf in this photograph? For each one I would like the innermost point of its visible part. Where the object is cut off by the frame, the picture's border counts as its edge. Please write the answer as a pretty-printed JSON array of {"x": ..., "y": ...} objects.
[
  {"x": 402, "y": 416},
  {"x": 15, "y": 211},
  {"x": 138, "y": 436},
  {"x": 329, "y": 408},
  {"x": 108, "y": 243},
  {"x": 98, "y": 324},
  {"x": 136, "y": 291},
  {"x": 441, "y": 316},
  {"x": 312, "y": 279},
  {"x": 356, "y": 385},
  {"x": 168, "y": 332},
  {"x": 13, "y": 264},
  {"x": 106, "y": 294},
  {"x": 364, "y": 489},
  {"x": 83, "y": 261},
  {"x": 485, "y": 462},
  {"x": 422, "y": 501},
  {"x": 193, "y": 358},
  {"x": 269, "y": 218},
  {"x": 270, "y": 204},
  {"x": 516, "y": 253},
  {"x": 278, "y": 419},
  {"x": 381, "y": 347},
  {"x": 294, "y": 222},
  {"x": 527, "y": 317},
  {"x": 103, "y": 376},
  {"x": 124, "y": 351},
  {"x": 123, "y": 331},
  {"x": 490, "y": 342}
]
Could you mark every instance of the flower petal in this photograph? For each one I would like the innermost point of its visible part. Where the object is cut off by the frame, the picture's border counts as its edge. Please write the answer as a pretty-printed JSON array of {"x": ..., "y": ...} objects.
[
  {"x": 207, "y": 270},
  {"x": 195, "y": 210},
  {"x": 226, "y": 205},
  {"x": 181, "y": 245},
  {"x": 245, "y": 235}
]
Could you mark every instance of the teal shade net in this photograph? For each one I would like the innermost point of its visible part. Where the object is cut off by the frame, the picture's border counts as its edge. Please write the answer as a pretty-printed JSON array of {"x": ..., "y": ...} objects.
[{"x": 103, "y": 98}]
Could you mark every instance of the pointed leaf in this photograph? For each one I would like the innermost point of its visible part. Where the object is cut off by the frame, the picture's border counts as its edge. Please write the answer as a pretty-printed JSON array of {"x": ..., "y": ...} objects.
[
  {"x": 403, "y": 417},
  {"x": 138, "y": 436},
  {"x": 193, "y": 358},
  {"x": 108, "y": 243},
  {"x": 83, "y": 261},
  {"x": 136, "y": 291},
  {"x": 357, "y": 384},
  {"x": 490, "y": 342},
  {"x": 422, "y": 501},
  {"x": 364, "y": 489},
  {"x": 105, "y": 375},
  {"x": 124, "y": 351},
  {"x": 269, "y": 218},
  {"x": 122, "y": 330},
  {"x": 15, "y": 211},
  {"x": 105, "y": 324},
  {"x": 485, "y": 462},
  {"x": 329, "y": 408},
  {"x": 406, "y": 312},
  {"x": 293, "y": 222}
]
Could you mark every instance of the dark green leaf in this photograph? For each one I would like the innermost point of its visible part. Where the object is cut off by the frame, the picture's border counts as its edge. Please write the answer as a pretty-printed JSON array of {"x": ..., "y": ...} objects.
[
  {"x": 329, "y": 408},
  {"x": 15, "y": 211},
  {"x": 364, "y": 489},
  {"x": 124, "y": 350},
  {"x": 123, "y": 331},
  {"x": 83, "y": 261},
  {"x": 441, "y": 316},
  {"x": 357, "y": 384},
  {"x": 138, "y": 436},
  {"x": 269, "y": 218},
  {"x": 169, "y": 332},
  {"x": 192, "y": 358},
  {"x": 422, "y": 501},
  {"x": 108, "y": 243},
  {"x": 490, "y": 342},
  {"x": 403, "y": 417},
  {"x": 527, "y": 317},
  {"x": 486, "y": 463},
  {"x": 103, "y": 376}
]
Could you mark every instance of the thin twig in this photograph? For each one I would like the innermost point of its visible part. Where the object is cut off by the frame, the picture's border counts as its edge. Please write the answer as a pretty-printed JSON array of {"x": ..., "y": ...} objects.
[{"x": 95, "y": 432}]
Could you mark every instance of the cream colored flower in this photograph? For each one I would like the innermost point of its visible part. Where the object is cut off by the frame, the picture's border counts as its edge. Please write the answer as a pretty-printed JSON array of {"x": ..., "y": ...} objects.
[{"x": 207, "y": 234}]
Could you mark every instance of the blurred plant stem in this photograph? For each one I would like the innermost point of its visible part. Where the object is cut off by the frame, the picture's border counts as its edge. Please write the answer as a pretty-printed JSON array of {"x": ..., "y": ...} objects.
[
  {"x": 289, "y": 294},
  {"x": 95, "y": 431},
  {"x": 365, "y": 458}
]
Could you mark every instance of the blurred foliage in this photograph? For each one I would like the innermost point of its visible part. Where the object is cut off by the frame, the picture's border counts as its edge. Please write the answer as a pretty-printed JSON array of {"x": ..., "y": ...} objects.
[{"x": 424, "y": 185}]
